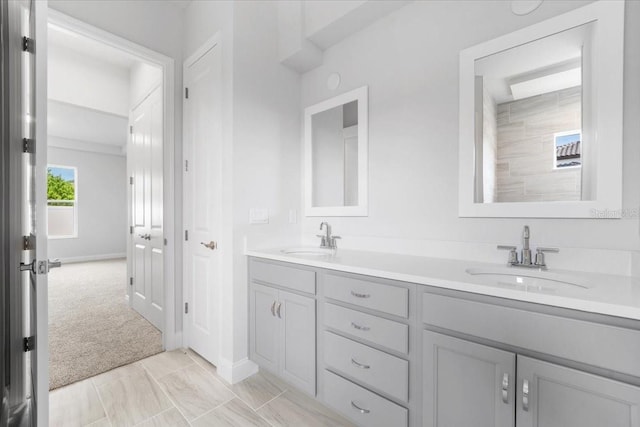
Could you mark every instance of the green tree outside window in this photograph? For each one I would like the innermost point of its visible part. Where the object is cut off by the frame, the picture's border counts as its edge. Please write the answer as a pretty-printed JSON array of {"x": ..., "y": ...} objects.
[{"x": 59, "y": 189}]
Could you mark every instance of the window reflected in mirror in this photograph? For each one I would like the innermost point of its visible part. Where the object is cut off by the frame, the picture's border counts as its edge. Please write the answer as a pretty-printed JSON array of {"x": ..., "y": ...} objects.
[{"x": 531, "y": 114}]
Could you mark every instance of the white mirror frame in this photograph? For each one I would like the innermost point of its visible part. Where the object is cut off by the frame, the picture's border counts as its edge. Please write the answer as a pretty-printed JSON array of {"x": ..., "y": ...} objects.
[
  {"x": 361, "y": 209},
  {"x": 607, "y": 116}
]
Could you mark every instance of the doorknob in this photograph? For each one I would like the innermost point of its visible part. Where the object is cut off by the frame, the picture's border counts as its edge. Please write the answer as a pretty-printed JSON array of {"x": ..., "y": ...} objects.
[
  {"x": 211, "y": 245},
  {"x": 145, "y": 236},
  {"x": 40, "y": 267}
]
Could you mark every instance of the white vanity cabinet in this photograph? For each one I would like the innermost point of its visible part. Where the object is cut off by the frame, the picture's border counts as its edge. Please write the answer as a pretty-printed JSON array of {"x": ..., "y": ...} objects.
[
  {"x": 468, "y": 383},
  {"x": 384, "y": 352},
  {"x": 364, "y": 357},
  {"x": 554, "y": 395},
  {"x": 282, "y": 333}
]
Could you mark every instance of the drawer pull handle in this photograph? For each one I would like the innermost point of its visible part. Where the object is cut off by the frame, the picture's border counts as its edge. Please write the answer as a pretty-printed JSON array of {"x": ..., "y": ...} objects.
[
  {"x": 273, "y": 309},
  {"x": 359, "y": 295},
  {"x": 359, "y": 365},
  {"x": 360, "y": 327},
  {"x": 278, "y": 310},
  {"x": 505, "y": 388},
  {"x": 525, "y": 395},
  {"x": 361, "y": 410}
]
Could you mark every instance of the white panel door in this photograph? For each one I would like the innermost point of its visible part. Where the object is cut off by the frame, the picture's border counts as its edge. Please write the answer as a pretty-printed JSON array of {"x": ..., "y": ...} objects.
[
  {"x": 202, "y": 202},
  {"x": 26, "y": 74},
  {"x": 147, "y": 240}
]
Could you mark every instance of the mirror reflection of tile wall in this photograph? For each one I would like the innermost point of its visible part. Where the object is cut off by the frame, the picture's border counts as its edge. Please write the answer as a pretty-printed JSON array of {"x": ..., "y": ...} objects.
[{"x": 526, "y": 147}]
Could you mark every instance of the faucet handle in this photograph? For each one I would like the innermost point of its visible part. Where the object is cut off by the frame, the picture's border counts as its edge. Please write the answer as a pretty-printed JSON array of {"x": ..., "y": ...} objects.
[
  {"x": 513, "y": 254},
  {"x": 540, "y": 256},
  {"x": 333, "y": 243},
  {"x": 545, "y": 249}
]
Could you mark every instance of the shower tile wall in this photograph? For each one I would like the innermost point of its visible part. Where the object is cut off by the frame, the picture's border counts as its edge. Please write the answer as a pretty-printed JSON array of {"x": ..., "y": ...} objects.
[{"x": 526, "y": 147}]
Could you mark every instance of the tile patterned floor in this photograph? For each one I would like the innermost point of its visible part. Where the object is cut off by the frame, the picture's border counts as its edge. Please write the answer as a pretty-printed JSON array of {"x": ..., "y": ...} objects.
[{"x": 179, "y": 388}]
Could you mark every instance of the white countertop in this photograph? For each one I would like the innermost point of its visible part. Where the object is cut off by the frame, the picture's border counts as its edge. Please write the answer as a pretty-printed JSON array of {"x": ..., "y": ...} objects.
[{"x": 606, "y": 294}]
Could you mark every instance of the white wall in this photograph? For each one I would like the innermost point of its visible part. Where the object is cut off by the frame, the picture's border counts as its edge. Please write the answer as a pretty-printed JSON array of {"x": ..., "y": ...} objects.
[
  {"x": 410, "y": 62},
  {"x": 85, "y": 81},
  {"x": 267, "y": 120},
  {"x": 261, "y": 129},
  {"x": 101, "y": 194}
]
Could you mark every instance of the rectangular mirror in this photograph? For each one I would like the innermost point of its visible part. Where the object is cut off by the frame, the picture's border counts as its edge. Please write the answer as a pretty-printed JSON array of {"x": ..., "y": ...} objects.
[
  {"x": 336, "y": 156},
  {"x": 541, "y": 119}
]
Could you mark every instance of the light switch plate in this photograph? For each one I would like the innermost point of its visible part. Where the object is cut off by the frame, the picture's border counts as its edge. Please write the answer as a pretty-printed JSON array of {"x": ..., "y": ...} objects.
[
  {"x": 258, "y": 216},
  {"x": 293, "y": 216}
]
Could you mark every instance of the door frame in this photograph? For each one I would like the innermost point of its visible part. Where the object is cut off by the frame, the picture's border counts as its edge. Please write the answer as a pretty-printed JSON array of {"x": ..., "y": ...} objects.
[
  {"x": 204, "y": 48},
  {"x": 170, "y": 338}
]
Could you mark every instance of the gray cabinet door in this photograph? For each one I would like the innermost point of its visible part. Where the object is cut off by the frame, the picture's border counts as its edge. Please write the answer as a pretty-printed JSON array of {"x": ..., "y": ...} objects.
[
  {"x": 265, "y": 327},
  {"x": 554, "y": 396},
  {"x": 466, "y": 384},
  {"x": 297, "y": 315}
]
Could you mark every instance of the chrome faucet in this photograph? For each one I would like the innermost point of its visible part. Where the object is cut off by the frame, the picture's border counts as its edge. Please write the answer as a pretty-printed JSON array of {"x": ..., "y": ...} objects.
[
  {"x": 327, "y": 240},
  {"x": 525, "y": 260},
  {"x": 526, "y": 252}
]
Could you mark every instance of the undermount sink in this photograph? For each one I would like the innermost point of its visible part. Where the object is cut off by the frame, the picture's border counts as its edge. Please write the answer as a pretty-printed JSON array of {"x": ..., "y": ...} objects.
[
  {"x": 526, "y": 279},
  {"x": 308, "y": 251}
]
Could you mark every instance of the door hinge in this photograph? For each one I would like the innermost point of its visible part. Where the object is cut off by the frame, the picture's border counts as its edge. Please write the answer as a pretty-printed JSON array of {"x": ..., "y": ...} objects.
[
  {"x": 186, "y": 308},
  {"x": 28, "y": 243},
  {"x": 130, "y": 180},
  {"x": 186, "y": 93},
  {"x": 130, "y": 281},
  {"x": 186, "y": 165},
  {"x": 28, "y": 145},
  {"x": 165, "y": 242},
  {"x": 28, "y": 44},
  {"x": 186, "y": 235},
  {"x": 131, "y": 229},
  {"x": 131, "y": 130},
  {"x": 29, "y": 343}
]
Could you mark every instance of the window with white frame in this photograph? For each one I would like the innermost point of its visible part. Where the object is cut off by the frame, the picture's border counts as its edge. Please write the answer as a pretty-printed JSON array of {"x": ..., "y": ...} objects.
[{"x": 62, "y": 202}]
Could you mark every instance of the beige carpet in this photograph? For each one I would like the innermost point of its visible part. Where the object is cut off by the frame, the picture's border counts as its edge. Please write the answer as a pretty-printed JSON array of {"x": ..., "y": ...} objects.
[{"x": 91, "y": 327}]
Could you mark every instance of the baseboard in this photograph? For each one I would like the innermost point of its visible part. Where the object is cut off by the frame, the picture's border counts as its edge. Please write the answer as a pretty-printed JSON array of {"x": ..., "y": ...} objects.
[
  {"x": 172, "y": 343},
  {"x": 87, "y": 258},
  {"x": 235, "y": 372}
]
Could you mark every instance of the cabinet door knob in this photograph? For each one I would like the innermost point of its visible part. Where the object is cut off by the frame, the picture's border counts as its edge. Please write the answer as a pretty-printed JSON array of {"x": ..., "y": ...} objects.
[
  {"x": 525, "y": 395},
  {"x": 361, "y": 410},
  {"x": 273, "y": 309},
  {"x": 505, "y": 388},
  {"x": 278, "y": 310}
]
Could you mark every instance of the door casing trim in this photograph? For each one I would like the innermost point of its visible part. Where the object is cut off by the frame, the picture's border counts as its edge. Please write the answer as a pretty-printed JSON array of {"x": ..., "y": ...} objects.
[{"x": 171, "y": 339}]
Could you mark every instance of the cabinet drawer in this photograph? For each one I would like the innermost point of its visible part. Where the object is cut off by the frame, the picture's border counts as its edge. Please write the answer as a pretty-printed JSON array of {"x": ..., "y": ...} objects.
[
  {"x": 595, "y": 344},
  {"x": 376, "y": 296},
  {"x": 372, "y": 367},
  {"x": 380, "y": 331},
  {"x": 375, "y": 411},
  {"x": 286, "y": 277}
]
